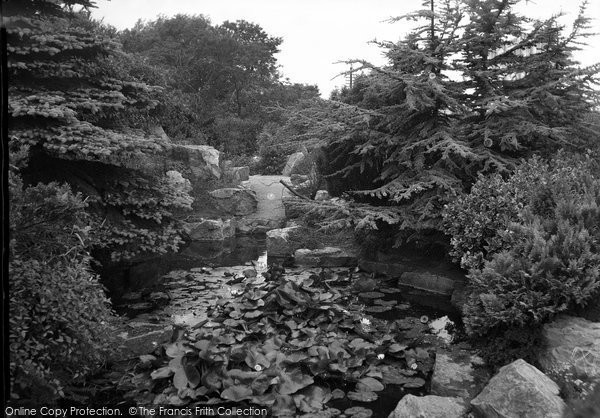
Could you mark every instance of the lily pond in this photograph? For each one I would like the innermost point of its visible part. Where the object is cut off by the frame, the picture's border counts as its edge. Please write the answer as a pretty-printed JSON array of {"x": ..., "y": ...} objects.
[{"x": 308, "y": 342}]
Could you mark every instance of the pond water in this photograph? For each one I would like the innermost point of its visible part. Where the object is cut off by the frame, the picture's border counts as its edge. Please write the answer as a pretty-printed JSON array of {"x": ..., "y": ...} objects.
[{"x": 208, "y": 277}]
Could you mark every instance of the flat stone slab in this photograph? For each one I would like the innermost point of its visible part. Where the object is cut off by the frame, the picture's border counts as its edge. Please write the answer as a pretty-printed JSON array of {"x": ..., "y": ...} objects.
[
  {"x": 571, "y": 343},
  {"x": 281, "y": 242},
  {"x": 325, "y": 257},
  {"x": 429, "y": 406}
]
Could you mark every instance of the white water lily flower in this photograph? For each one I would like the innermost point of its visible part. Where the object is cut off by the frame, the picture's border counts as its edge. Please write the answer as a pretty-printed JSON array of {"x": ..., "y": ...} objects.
[
  {"x": 414, "y": 366},
  {"x": 257, "y": 368},
  {"x": 365, "y": 321},
  {"x": 380, "y": 356}
]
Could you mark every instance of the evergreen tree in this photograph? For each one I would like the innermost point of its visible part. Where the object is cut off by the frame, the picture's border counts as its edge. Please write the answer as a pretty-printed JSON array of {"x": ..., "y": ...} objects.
[
  {"x": 471, "y": 90},
  {"x": 75, "y": 108}
]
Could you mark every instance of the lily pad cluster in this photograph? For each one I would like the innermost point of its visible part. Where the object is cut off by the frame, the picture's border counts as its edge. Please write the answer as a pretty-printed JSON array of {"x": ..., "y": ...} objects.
[{"x": 289, "y": 344}]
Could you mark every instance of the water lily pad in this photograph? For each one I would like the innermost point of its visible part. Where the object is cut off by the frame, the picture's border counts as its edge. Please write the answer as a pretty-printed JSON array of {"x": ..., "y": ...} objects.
[
  {"x": 378, "y": 309},
  {"x": 414, "y": 382},
  {"x": 389, "y": 290},
  {"x": 383, "y": 302},
  {"x": 312, "y": 399},
  {"x": 253, "y": 314},
  {"x": 338, "y": 394},
  {"x": 369, "y": 384},
  {"x": 362, "y": 396},
  {"x": 396, "y": 348},
  {"x": 371, "y": 295},
  {"x": 162, "y": 373},
  {"x": 237, "y": 393},
  {"x": 358, "y": 412},
  {"x": 292, "y": 381}
]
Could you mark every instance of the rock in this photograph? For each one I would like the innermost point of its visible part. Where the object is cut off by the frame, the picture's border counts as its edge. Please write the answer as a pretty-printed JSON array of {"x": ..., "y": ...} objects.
[
  {"x": 571, "y": 343},
  {"x": 210, "y": 230},
  {"x": 235, "y": 201},
  {"x": 237, "y": 174},
  {"x": 250, "y": 226},
  {"x": 429, "y": 406},
  {"x": 298, "y": 179},
  {"x": 389, "y": 269},
  {"x": 250, "y": 273},
  {"x": 202, "y": 161},
  {"x": 322, "y": 195},
  {"x": 427, "y": 281},
  {"x": 454, "y": 374},
  {"x": 292, "y": 163},
  {"x": 282, "y": 242},
  {"x": 325, "y": 257},
  {"x": 519, "y": 390}
]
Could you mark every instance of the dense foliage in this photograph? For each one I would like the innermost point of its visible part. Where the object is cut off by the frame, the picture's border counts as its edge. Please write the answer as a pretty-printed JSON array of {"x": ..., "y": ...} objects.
[
  {"x": 284, "y": 342},
  {"x": 220, "y": 79},
  {"x": 84, "y": 176},
  {"x": 472, "y": 90},
  {"x": 59, "y": 315},
  {"x": 531, "y": 254},
  {"x": 75, "y": 105}
]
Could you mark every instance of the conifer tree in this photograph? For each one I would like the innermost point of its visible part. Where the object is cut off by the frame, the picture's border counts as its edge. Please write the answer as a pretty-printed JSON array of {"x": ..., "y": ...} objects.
[
  {"x": 471, "y": 90},
  {"x": 75, "y": 108}
]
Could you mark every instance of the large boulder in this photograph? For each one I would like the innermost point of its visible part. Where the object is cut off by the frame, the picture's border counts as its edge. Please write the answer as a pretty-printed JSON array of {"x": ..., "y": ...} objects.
[
  {"x": 325, "y": 257},
  {"x": 458, "y": 373},
  {"x": 200, "y": 161},
  {"x": 236, "y": 174},
  {"x": 519, "y": 390},
  {"x": 430, "y": 406},
  {"x": 292, "y": 163},
  {"x": 210, "y": 230},
  {"x": 235, "y": 201},
  {"x": 571, "y": 343},
  {"x": 283, "y": 242}
]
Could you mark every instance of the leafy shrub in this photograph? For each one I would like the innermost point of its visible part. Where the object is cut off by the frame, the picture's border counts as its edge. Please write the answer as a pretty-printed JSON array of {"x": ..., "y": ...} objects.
[
  {"x": 59, "y": 315},
  {"x": 553, "y": 261},
  {"x": 502, "y": 346}
]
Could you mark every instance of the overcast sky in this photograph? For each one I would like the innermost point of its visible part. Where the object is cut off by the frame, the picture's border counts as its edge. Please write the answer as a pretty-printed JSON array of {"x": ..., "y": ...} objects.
[{"x": 317, "y": 33}]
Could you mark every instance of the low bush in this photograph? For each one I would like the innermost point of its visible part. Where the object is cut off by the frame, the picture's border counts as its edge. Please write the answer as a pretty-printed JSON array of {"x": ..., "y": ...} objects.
[
  {"x": 60, "y": 319},
  {"x": 531, "y": 243}
]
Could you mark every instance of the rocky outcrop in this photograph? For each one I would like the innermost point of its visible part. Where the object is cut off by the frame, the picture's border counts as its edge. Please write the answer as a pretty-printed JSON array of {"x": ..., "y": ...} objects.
[
  {"x": 430, "y": 406},
  {"x": 234, "y": 201},
  {"x": 236, "y": 175},
  {"x": 519, "y": 390},
  {"x": 210, "y": 230},
  {"x": 201, "y": 162},
  {"x": 282, "y": 242},
  {"x": 292, "y": 163},
  {"x": 458, "y": 373},
  {"x": 325, "y": 257},
  {"x": 571, "y": 343}
]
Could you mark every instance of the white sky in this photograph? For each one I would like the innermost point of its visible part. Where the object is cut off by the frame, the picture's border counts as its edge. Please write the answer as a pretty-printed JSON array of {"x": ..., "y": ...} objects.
[{"x": 317, "y": 33}]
